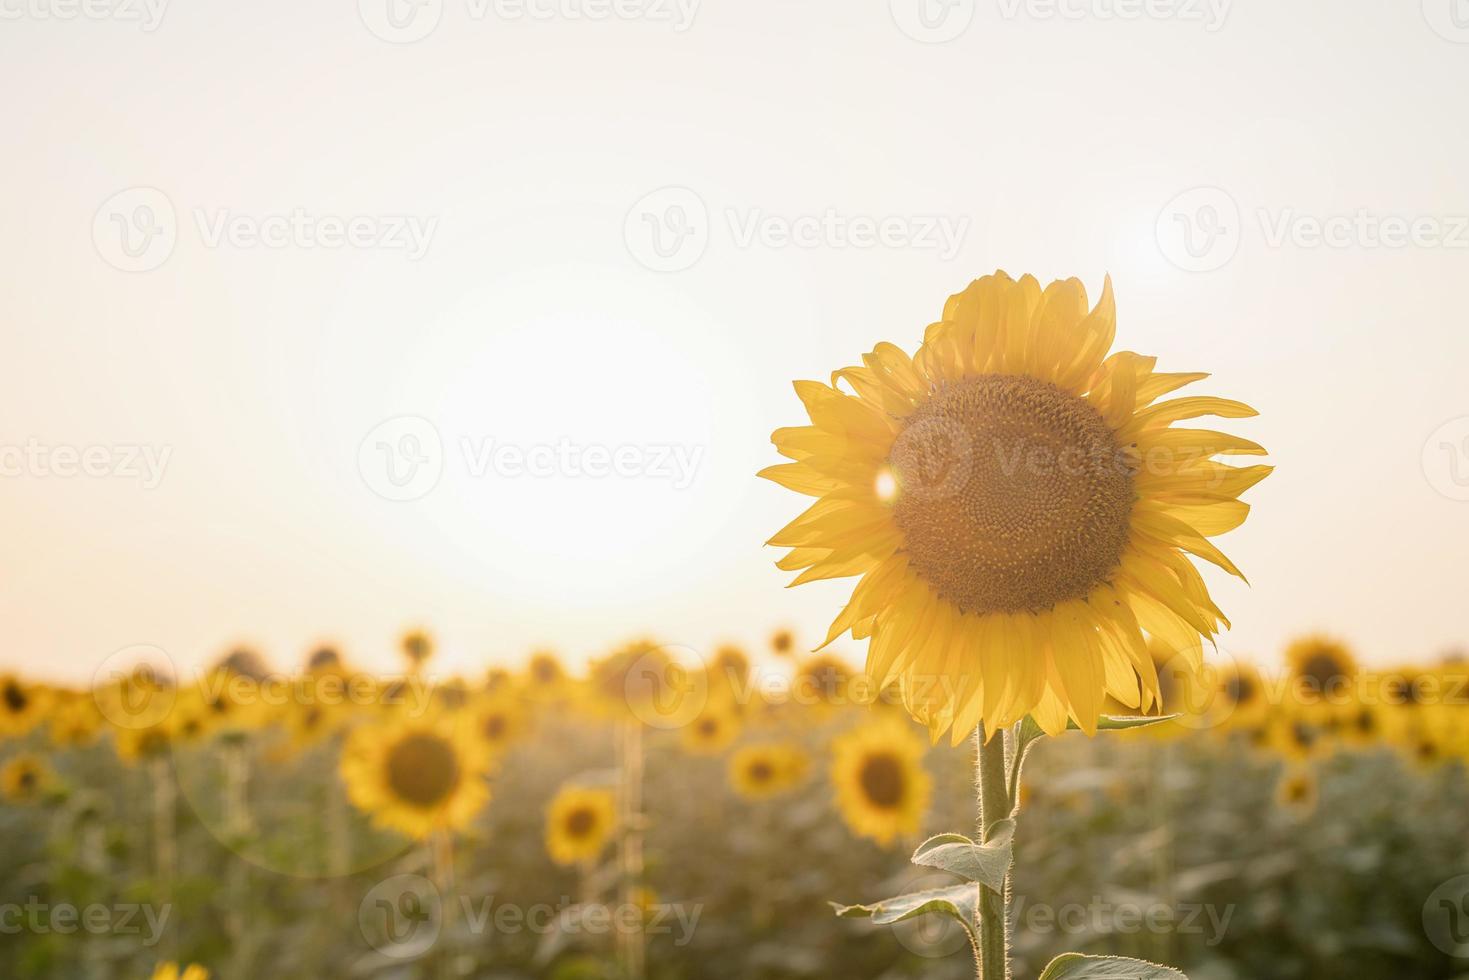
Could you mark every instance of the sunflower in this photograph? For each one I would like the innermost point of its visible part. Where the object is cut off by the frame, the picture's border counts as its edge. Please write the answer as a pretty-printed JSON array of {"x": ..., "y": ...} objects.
[
  {"x": 24, "y": 778},
  {"x": 170, "y": 971},
  {"x": 881, "y": 785},
  {"x": 712, "y": 730},
  {"x": 231, "y": 700},
  {"x": 1296, "y": 736},
  {"x": 142, "y": 743},
  {"x": 416, "y": 646},
  {"x": 415, "y": 775},
  {"x": 1409, "y": 687},
  {"x": 22, "y": 706},
  {"x": 545, "y": 678},
  {"x": 579, "y": 823},
  {"x": 75, "y": 721},
  {"x": 729, "y": 669},
  {"x": 1322, "y": 670},
  {"x": 1242, "y": 701},
  {"x": 497, "y": 721},
  {"x": 782, "y": 642},
  {"x": 822, "y": 681},
  {"x": 1181, "y": 691},
  {"x": 1297, "y": 790},
  {"x": 628, "y": 682},
  {"x": 760, "y": 772},
  {"x": 1018, "y": 508}
]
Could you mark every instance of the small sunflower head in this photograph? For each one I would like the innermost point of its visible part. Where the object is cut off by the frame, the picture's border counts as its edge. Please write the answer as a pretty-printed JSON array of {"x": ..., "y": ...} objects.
[
  {"x": 579, "y": 823},
  {"x": 417, "y": 646}
]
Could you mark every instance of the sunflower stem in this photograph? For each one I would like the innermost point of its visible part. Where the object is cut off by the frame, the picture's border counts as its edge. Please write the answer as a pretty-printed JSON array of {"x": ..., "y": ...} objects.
[
  {"x": 632, "y": 941},
  {"x": 995, "y": 804}
]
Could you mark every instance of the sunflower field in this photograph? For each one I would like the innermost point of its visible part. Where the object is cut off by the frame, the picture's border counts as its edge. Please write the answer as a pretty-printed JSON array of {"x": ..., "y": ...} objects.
[{"x": 546, "y": 823}]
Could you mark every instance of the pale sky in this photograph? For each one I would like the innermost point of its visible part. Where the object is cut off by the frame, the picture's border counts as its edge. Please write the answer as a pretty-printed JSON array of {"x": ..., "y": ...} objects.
[{"x": 462, "y": 230}]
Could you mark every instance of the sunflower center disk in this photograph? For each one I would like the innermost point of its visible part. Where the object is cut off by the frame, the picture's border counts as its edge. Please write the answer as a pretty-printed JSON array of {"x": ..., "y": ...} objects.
[
  {"x": 580, "y": 822},
  {"x": 882, "y": 781},
  {"x": 1013, "y": 495},
  {"x": 423, "y": 770}
]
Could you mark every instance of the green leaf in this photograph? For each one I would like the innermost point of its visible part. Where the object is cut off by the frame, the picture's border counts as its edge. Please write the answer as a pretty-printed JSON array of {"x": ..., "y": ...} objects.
[
  {"x": 959, "y": 902},
  {"x": 1074, "y": 966},
  {"x": 987, "y": 863},
  {"x": 1030, "y": 731}
]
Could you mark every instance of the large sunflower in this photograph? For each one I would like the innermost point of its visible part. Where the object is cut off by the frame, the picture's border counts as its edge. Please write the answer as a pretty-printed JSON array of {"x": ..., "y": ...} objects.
[
  {"x": 1018, "y": 507},
  {"x": 579, "y": 822},
  {"x": 882, "y": 787},
  {"x": 415, "y": 776}
]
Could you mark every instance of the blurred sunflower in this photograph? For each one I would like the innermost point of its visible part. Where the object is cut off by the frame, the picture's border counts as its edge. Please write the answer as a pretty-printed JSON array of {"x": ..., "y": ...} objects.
[
  {"x": 712, "y": 730},
  {"x": 545, "y": 678},
  {"x": 417, "y": 646},
  {"x": 1297, "y": 790},
  {"x": 579, "y": 823},
  {"x": 75, "y": 721},
  {"x": 415, "y": 775},
  {"x": 822, "y": 681},
  {"x": 783, "y": 642},
  {"x": 628, "y": 682},
  {"x": 24, "y": 778},
  {"x": 759, "y": 772},
  {"x": 497, "y": 721},
  {"x": 1019, "y": 509},
  {"x": 1181, "y": 691},
  {"x": 22, "y": 706},
  {"x": 1322, "y": 670},
  {"x": 1409, "y": 687},
  {"x": 140, "y": 744},
  {"x": 882, "y": 788},
  {"x": 170, "y": 971},
  {"x": 1243, "y": 701},
  {"x": 729, "y": 669},
  {"x": 1294, "y": 736}
]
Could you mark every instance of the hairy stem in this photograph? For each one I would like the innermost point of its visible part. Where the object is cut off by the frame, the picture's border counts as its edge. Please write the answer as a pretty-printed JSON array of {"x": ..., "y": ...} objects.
[{"x": 995, "y": 804}]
